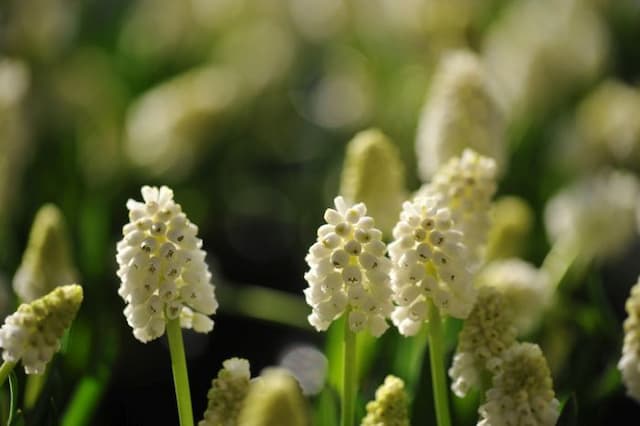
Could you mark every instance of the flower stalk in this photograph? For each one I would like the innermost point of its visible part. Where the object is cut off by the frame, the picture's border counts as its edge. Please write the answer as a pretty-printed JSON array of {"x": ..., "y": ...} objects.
[
  {"x": 5, "y": 369},
  {"x": 349, "y": 388},
  {"x": 179, "y": 369},
  {"x": 436, "y": 358}
]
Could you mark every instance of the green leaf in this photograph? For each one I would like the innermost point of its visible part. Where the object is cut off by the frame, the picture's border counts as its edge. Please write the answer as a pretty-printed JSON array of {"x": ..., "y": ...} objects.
[
  {"x": 569, "y": 411},
  {"x": 13, "y": 398}
]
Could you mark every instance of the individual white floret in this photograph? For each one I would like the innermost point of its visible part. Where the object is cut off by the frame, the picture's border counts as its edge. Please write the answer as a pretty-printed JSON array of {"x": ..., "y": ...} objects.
[
  {"x": 429, "y": 260},
  {"x": 162, "y": 270},
  {"x": 349, "y": 272}
]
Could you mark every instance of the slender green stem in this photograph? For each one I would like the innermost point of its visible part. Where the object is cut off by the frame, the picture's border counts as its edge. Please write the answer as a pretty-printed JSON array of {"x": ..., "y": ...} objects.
[
  {"x": 33, "y": 388},
  {"x": 436, "y": 357},
  {"x": 5, "y": 369},
  {"x": 349, "y": 385},
  {"x": 179, "y": 368}
]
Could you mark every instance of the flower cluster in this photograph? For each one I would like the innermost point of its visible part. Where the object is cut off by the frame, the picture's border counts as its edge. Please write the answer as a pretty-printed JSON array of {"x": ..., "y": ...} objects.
[
  {"x": 348, "y": 271},
  {"x": 373, "y": 174},
  {"x": 522, "y": 392},
  {"x": 429, "y": 261},
  {"x": 629, "y": 364},
  {"x": 227, "y": 393},
  {"x": 486, "y": 334},
  {"x": 466, "y": 185},
  {"x": 32, "y": 334},
  {"x": 46, "y": 263},
  {"x": 274, "y": 398},
  {"x": 459, "y": 113},
  {"x": 527, "y": 289},
  {"x": 390, "y": 407},
  {"x": 163, "y": 271},
  {"x": 603, "y": 231}
]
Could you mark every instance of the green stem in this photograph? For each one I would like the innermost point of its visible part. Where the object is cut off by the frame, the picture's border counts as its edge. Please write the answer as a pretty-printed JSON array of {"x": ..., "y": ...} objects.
[
  {"x": 5, "y": 369},
  {"x": 33, "y": 388},
  {"x": 349, "y": 375},
  {"x": 179, "y": 368},
  {"x": 436, "y": 357}
]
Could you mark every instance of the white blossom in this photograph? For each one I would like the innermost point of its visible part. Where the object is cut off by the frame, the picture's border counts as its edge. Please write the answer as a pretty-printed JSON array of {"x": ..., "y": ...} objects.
[
  {"x": 32, "y": 334},
  {"x": 429, "y": 260},
  {"x": 522, "y": 392},
  {"x": 349, "y": 272},
  {"x": 465, "y": 185},
  {"x": 629, "y": 364},
  {"x": 162, "y": 270}
]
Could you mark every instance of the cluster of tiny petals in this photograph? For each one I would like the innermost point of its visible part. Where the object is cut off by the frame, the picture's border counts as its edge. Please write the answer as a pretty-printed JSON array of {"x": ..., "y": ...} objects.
[
  {"x": 390, "y": 407},
  {"x": 227, "y": 394},
  {"x": 349, "y": 272},
  {"x": 162, "y": 270},
  {"x": 465, "y": 185},
  {"x": 32, "y": 334},
  {"x": 522, "y": 392},
  {"x": 429, "y": 261},
  {"x": 486, "y": 334},
  {"x": 629, "y": 364}
]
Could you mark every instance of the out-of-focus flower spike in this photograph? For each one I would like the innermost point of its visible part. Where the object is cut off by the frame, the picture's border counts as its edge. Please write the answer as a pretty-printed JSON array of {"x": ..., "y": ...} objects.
[
  {"x": 522, "y": 392},
  {"x": 349, "y": 272},
  {"x": 32, "y": 334},
  {"x": 527, "y": 289},
  {"x": 391, "y": 406},
  {"x": 629, "y": 364},
  {"x": 511, "y": 222},
  {"x": 373, "y": 174},
  {"x": 47, "y": 261},
  {"x": 162, "y": 268},
  {"x": 459, "y": 113},
  {"x": 227, "y": 394},
  {"x": 486, "y": 334},
  {"x": 274, "y": 398}
]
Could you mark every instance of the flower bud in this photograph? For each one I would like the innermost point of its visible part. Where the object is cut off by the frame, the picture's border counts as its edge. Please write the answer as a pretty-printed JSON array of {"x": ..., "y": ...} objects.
[
  {"x": 227, "y": 394},
  {"x": 391, "y": 405}
]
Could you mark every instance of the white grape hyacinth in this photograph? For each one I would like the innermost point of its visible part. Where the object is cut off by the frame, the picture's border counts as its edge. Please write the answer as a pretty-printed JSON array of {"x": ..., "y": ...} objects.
[
  {"x": 349, "y": 272},
  {"x": 629, "y": 364},
  {"x": 163, "y": 271},
  {"x": 466, "y": 185},
  {"x": 429, "y": 260}
]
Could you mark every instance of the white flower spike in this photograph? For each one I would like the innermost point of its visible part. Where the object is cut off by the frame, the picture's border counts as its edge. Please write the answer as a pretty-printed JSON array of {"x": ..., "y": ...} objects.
[
  {"x": 629, "y": 364},
  {"x": 348, "y": 271},
  {"x": 429, "y": 260},
  {"x": 162, "y": 270}
]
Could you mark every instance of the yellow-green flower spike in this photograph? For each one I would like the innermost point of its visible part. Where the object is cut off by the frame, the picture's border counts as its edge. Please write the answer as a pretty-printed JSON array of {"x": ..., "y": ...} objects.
[
  {"x": 511, "y": 222},
  {"x": 46, "y": 263},
  {"x": 528, "y": 290},
  {"x": 227, "y": 394},
  {"x": 486, "y": 334},
  {"x": 390, "y": 407},
  {"x": 629, "y": 364},
  {"x": 32, "y": 334},
  {"x": 373, "y": 174},
  {"x": 522, "y": 392},
  {"x": 459, "y": 113},
  {"x": 274, "y": 398}
]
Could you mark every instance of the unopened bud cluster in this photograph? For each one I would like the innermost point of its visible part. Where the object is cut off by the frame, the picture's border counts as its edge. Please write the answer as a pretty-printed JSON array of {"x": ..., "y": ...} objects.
[
  {"x": 163, "y": 271},
  {"x": 348, "y": 271},
  {"x": 32, "y": 334},
  {"x": 227, "y": 393},
  {"x": 522, "y": 392},
  {"x": 486, "y": 334},
  {"x": 429, "y": 261},
  {"x": 390, "y": 407}
]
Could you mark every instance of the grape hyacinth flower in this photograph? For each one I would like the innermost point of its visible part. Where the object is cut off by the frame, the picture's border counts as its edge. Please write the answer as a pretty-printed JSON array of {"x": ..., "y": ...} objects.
[
  {"x": 629, "y": 364},
  {"x": 465, "y": 185},
  {"x": 163, "y": 271},
  {"x": 485, "y": 335},
  {"x": 227, "y": 394},
  {"x": 32, "y": 334},
  {"x": 430, "y": 261},
  {"x": 391, "y": 406},
  {"x": 348, "y": 271},
  {"x": 522, "y": 392},
  {"x": 47, "y": 261}
]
